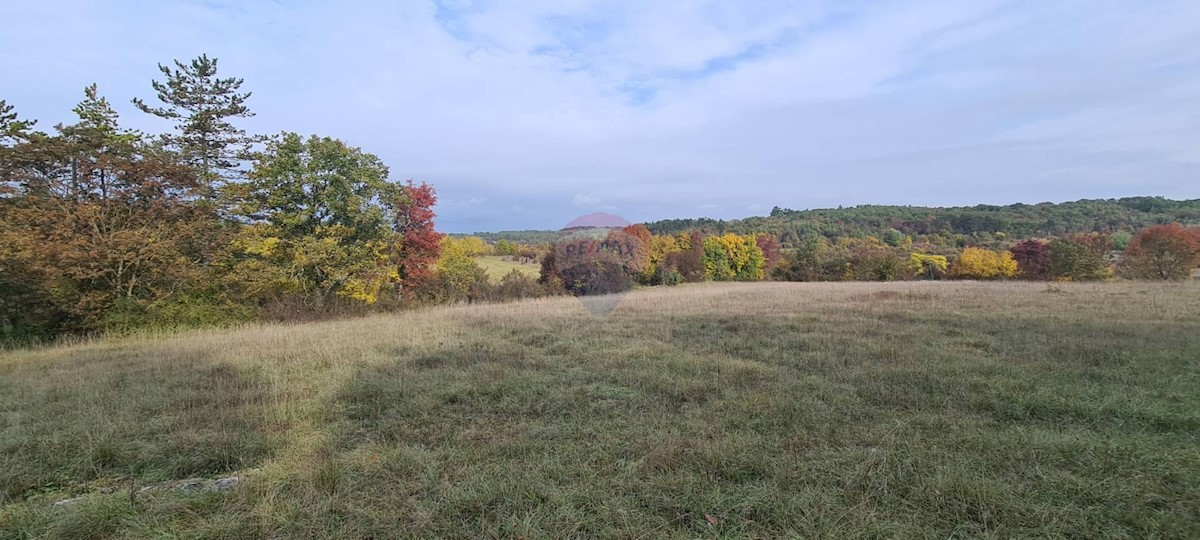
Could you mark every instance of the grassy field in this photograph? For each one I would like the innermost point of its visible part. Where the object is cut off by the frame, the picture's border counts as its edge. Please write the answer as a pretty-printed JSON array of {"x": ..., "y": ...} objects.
[
  {"x": 766, "y": 410},
  {"x": 497, "y": 266}
]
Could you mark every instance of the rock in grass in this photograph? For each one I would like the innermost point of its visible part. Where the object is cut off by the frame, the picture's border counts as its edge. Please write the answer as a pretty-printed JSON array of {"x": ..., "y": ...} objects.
[
  {"x": 69, "y": 502},
  {"x": 226, "y": 484},
  {"x": 191, "y": 485}
]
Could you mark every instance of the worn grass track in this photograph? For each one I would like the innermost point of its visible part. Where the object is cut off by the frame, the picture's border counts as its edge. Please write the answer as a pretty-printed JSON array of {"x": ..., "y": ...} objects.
[{"x": 905, "y": 410}]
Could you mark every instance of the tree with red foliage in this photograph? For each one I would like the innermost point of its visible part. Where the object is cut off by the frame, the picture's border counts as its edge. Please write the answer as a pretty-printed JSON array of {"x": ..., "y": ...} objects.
[
  {"x": 1163, "y": 252},
  {"x": 418, "y": 245},
  {"x": 1033, "y": 259},
  {"x": 638, "y": 231},
  {"x": 773, "y": 254},
  {"x": 689, "y": 262}
]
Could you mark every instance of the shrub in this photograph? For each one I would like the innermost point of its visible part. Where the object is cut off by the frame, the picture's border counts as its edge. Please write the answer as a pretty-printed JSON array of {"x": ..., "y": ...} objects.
[
  {"x": 666, "y": 275},
  {"x": 515, "y": 285},
  {"x": 600, "y": 273},
  {"x": 458, "y": 278}
]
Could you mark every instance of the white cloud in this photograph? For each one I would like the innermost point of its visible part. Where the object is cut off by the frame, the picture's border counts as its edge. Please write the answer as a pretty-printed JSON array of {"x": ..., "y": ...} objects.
[{"x": 656, "y": 108}]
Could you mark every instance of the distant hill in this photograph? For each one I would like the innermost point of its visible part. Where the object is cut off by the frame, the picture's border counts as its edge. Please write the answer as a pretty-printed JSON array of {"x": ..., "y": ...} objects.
[
  {"x": 597, "y": 219},
  {"x": 1013, "y": 221},
  {"x": 947, "y": 224}
]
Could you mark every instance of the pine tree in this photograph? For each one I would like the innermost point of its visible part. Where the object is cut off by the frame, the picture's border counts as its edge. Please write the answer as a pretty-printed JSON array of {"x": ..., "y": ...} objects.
[
  {"x": 202, "y": 106},
  {"x": 12, "y": 128},
  {"x": 94, "y": 141}
]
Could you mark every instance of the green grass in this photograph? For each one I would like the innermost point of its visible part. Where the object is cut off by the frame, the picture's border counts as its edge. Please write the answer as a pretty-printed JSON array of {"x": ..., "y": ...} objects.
[
  {"x": 497, "y": 266},
  {"x": 771, "y": 410}
]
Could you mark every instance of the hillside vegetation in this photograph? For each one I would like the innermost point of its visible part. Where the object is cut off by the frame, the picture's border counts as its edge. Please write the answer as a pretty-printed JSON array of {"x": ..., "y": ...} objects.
[
  {"x": 955, "y": 224},
  {"x": 768, "y": 410},
  {"x": 1014, "y": 221}
]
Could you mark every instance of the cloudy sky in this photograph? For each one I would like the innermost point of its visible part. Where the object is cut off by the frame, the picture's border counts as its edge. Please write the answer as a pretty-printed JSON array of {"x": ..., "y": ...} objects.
[{"x": 526, "y": 114}]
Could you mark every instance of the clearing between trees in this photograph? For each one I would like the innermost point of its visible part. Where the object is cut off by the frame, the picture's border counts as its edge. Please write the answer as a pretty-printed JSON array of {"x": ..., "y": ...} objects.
[{"x": 840, "y": 410}]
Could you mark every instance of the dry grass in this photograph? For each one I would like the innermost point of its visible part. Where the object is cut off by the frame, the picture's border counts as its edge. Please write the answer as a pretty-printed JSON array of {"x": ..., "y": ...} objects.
[{"x": 718, "y": 410}]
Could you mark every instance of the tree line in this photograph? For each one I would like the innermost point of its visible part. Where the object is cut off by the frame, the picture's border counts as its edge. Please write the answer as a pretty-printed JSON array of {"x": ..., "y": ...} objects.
[
  {"x": 987, "y": 225},
  {"x": 616, "y": 259},
  {"x": 106, "y": 228}
]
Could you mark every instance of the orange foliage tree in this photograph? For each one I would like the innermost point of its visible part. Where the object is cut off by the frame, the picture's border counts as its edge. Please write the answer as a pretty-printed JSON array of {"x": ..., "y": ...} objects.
[{"x": 1163, "y": 252}]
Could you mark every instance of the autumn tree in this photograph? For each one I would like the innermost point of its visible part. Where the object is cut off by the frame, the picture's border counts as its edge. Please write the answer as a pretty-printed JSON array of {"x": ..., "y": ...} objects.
[
  {"x": 639, "y": 231},
  {"x": 805, "y": 263},
  {"x": 505, "y": 247},
  {"x": 871, "y": 259},
  {"x": 772, "y": 253},
  {"x": 322, "y": 218},
  {"x": 979, "y": 263},
  {"x": 732, "y": 257},
  {"x": 1033, "y": 259},
  {"x": 101, "y": 222},
  {"x": 1080, "y": 257},
  {"x": 459, "y": 277},
  {"x": 466, "y": 246},
  {"x": 595, "y": 261},
  {"x": 202, "y": 106},
  {"x": 662, "y": 263},
  {"x": 586, "y": 266},
  {"x": 1163, "y": 252},
  {"x": 417, "y": 245},
  {"x": 928, "y": 266},
  {"x": 689, "y": 261}
]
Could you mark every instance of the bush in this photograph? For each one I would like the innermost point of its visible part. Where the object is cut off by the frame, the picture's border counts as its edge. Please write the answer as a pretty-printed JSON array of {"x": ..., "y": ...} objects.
[
  {"x": 665, "y": 275},
  {"x": 599, "y": 273},
  {"x": 515, "y": 285}
]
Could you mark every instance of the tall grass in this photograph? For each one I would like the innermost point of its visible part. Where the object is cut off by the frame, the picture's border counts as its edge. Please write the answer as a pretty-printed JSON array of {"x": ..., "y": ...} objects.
[{"x": 717, "y": 410}]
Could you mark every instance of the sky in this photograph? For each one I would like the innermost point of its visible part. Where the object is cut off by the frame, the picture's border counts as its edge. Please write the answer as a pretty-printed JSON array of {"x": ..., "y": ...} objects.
[{"x": 525, "y": 114}]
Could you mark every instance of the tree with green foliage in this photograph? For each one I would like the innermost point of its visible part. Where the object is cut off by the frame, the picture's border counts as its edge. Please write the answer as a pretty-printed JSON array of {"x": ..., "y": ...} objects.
[
  {"x": 732, "y": 257},
  {"x": 322, "y": 216},
  {"x": 12, "y": 128},
  {"x": 459, "y": 277},
  {"x": 202, "y": 106},
  {"x": 506, "y": 247},
  {"x": 1079, "y": 258}
]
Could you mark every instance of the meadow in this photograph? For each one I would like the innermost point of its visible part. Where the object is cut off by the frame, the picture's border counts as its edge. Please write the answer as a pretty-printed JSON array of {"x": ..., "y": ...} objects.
[
  {"x": 497, "y": 266},
  {"x": 731, "y": 410}
]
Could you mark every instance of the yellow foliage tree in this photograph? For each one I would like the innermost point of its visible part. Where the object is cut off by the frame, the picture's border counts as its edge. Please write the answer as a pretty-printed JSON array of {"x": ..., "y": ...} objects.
[
  {"x": 659, "y": 247},
  {"x": 979, "y": 263},
  {"x": 469, "y": 246},
  {"x": 733, "y": 257},
  {"x": 928, "y": 266}
]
